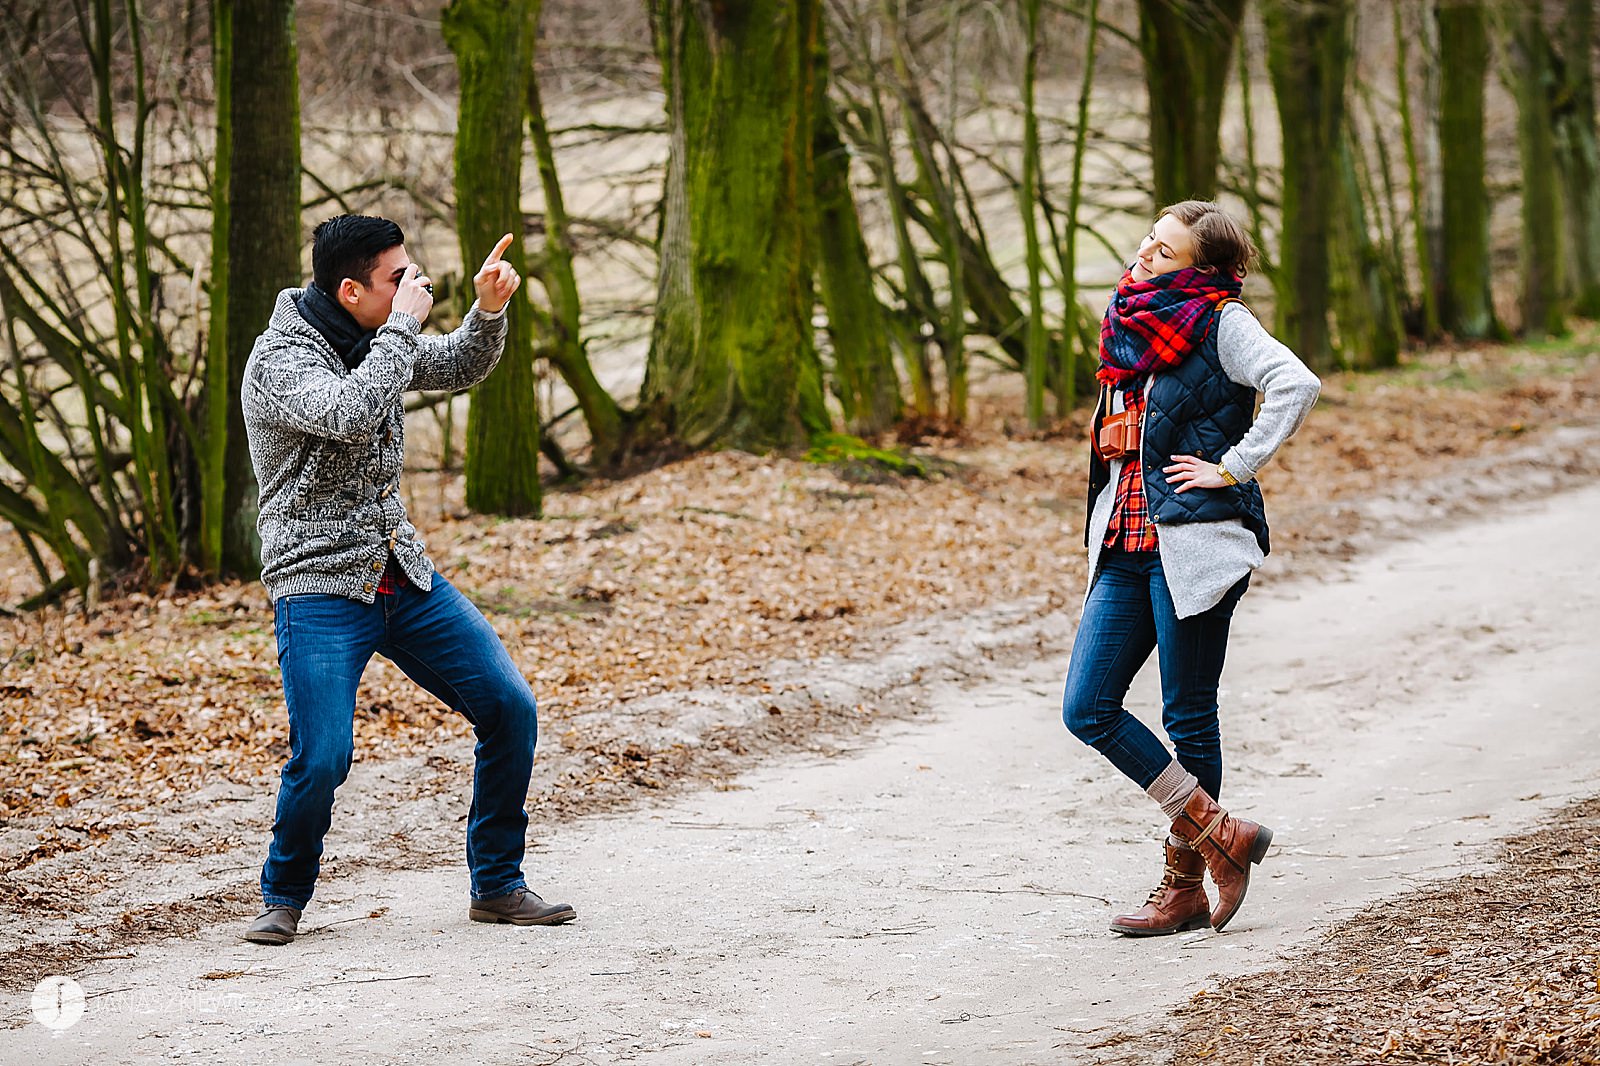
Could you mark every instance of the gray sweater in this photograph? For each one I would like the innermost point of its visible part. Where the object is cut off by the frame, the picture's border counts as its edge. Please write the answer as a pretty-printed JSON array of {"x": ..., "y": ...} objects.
[
  {"x": 328, "y": 444},
  {"x": 1203, "y": 560}
]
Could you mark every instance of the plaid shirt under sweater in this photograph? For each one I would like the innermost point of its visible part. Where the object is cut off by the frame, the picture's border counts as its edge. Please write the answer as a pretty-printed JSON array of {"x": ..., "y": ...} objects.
[
  {"x": 393, "y": 579},
  {"x": 1130, "y": 529}
]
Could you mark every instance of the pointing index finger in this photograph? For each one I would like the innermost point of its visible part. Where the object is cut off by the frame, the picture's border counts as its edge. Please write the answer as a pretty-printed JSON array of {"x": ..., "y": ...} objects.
[{"x": 499, "y": 250}]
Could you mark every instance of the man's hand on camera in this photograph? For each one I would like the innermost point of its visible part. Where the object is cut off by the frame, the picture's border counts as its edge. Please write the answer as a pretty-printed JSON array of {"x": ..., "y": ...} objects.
[
  {"x": 497, "y": 279},
  {"x": 413, "y": 296}
]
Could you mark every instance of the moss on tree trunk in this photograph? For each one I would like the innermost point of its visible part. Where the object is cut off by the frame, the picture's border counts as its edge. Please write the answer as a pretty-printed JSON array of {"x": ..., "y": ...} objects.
[
  {"x": 261, "y": 255},
  {"x": 601, "y": 412},
  {"x": 732, "y": 360},
  {"x": 1188, "y": 50},
  {"x": 1579, "y": 155},
  {"x": 1366, "y": 298},
  {"x": 493, "y": 44},
  {"x": 863, "y": 363},
  {"x": 1308, "y": 55},
  {"x": 1542, "y": 310},
  {"x": 1465, "y": 308}
]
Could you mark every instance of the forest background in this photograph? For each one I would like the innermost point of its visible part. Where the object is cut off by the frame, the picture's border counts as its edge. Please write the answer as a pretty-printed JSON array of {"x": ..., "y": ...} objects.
[
  {"x": 761, "y": 226},
  {"x": 811, "y": 327}
]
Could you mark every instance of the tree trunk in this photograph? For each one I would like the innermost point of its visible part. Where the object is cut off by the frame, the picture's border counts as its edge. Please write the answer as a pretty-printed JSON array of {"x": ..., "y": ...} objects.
[
  {"x": 1035, "y": 362},
  {"x": 1465, "y": 307},
  {"x": 493, "y": 44},
  {"x": 1065, "y": 378},
  {"x": 1579, "y": 155},
  {"x": 1188, "y": 49},
  {"x": 1367, "y": 307},
  {"x": 937, "y": 186},
  {"x": 918, "y": 305},
  {"x": 863, "y": 364},
  {"x": 732, "y": 359},
  {"x": 601, "y": 413},
  {"x": 1308, "y": 55},
  {"x": 1251, "y": 192},
  {"x": 954, "y": 342},
  {"x": 1542, "y": 313},
  {"x": 261, "y": 253},
  {"x": 211, "y": 450},
  {"x": 1426, "y": 283}
]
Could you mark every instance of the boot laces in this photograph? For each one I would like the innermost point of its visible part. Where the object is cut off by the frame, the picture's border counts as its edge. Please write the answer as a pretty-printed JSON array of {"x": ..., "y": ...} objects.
[{"x": 1170, "y": 878}]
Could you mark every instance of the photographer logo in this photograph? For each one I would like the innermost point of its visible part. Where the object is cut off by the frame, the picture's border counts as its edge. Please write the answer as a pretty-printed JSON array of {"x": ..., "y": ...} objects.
[{"x": 58, "y": 1002}]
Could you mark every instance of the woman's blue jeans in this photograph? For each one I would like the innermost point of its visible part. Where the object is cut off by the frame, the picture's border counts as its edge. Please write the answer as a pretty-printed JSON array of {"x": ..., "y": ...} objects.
[
  {"x": 444, "y": 644},
  {"x": 1129, "y": 613}
]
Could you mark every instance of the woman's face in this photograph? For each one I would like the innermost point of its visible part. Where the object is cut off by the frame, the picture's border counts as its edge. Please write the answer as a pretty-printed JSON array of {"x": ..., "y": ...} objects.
[{"x": 1166, "y": 248}]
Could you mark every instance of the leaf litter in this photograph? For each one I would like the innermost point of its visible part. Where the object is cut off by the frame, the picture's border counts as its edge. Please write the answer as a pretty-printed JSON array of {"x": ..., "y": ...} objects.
[{"x": 1498, "y": 967}]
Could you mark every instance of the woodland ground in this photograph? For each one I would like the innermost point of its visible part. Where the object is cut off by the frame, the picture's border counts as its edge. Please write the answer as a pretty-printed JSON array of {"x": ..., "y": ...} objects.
[{"x": 690, "y": 623}]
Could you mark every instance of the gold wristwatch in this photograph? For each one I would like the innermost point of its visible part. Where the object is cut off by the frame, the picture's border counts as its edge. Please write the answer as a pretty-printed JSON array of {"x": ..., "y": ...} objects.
[{"x": 1227, "y": 478}]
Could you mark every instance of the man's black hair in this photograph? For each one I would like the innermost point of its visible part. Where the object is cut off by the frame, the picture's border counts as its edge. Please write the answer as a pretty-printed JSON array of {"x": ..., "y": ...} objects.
[{"x": 348, "y": 246}]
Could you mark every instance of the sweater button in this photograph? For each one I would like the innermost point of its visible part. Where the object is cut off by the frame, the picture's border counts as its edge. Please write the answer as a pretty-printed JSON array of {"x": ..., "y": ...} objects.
[
  {"x": 377, "y": 566},
  {"x": 367, "y": 587}
]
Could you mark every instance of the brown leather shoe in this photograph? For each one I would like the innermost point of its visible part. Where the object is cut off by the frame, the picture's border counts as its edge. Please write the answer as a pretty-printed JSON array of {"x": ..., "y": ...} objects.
[
  {"x": 275, "y": 925},
  {"x": 521, "y": 907},
  {"x": 1178, "y": 903},
  {"x": 1229, "y": 845}
]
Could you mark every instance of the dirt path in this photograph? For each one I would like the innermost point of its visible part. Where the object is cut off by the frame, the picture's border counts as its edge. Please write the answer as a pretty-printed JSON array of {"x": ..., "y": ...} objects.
[{"x": 940, "y": 895}]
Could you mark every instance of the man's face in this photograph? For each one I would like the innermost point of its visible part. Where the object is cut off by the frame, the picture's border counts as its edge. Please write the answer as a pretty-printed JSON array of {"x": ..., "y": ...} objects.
[{"x": 370, "y": 304}]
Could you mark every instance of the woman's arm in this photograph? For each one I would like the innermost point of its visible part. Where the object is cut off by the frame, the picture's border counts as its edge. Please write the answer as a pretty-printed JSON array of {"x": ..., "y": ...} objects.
[{"x": 1252, "y": 356}]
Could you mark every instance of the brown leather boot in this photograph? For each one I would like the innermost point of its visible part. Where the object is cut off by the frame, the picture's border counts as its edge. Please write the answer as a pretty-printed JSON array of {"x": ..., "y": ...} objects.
[
  {"x": 1178, "y": 903},
  {"x": 1229, "y": 846}
]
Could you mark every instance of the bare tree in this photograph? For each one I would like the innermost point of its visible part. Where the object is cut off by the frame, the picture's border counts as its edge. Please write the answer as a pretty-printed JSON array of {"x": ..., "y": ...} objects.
[
  {"x": 732, "y": 359},
  {"x": 255, "y": 252},
  {"x": 493, "y": 44}
]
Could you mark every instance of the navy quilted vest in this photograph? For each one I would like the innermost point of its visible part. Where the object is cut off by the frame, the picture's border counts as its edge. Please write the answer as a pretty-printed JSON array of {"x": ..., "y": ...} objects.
[{"x": 1193, "y": 410}]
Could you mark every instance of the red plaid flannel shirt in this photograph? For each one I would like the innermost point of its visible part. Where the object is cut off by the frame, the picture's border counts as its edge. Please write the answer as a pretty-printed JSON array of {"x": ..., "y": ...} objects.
[
  {"x": 393, "y": 579},
  {"x": 1131, "y": 529}
]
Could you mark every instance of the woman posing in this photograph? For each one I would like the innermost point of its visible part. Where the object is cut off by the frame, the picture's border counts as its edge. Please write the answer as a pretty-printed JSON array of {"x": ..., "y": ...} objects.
[{"x": 1175, "y": 527}]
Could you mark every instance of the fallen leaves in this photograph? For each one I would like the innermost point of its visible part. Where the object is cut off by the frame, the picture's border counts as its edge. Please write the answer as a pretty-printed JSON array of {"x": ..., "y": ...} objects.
[
  {"x": 692, "y": 578},
  {"x": 1521, "y": 984}
]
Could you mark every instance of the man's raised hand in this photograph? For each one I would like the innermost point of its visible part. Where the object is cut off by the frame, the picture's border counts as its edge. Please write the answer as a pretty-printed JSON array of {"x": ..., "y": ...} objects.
[
  {"x": 412, "y": 295},
  {"x": 496, "y": 280}
]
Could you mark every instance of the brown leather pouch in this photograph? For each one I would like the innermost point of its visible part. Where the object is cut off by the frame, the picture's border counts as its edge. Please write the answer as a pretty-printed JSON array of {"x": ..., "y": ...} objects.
[{"x": 1119, "y": 435}]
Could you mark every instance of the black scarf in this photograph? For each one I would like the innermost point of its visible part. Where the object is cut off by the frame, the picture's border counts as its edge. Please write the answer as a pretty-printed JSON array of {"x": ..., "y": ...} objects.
[{"x": 337, "y": 326}]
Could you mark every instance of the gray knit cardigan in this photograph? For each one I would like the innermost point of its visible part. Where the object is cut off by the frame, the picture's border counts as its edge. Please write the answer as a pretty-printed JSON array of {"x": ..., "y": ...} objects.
[
  {"x": 328, "y": 444},
  {"x": 1201, "y": 561}
]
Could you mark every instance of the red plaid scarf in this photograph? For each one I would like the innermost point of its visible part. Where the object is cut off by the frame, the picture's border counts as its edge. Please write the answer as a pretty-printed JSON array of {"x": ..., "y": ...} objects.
[{"x": 1153, "y": 324}]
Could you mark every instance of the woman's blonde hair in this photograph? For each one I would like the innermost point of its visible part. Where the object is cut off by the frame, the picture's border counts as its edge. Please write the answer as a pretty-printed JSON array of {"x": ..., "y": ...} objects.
[{"x": 1219, "y": 240}]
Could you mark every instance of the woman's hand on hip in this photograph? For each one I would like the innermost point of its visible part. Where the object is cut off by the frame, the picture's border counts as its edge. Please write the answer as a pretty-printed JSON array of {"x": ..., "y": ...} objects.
[{"x": 1192, "y": 472}]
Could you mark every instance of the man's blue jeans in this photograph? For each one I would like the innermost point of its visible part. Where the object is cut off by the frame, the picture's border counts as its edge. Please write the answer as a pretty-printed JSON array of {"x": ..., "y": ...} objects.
[
  {"x": 1129, "y": 613},
  {"x": 444, "y": 644}
]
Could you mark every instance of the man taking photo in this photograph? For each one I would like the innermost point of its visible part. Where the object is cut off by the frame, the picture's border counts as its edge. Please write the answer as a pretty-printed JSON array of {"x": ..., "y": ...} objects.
[{"x": 347, "y": 575}]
